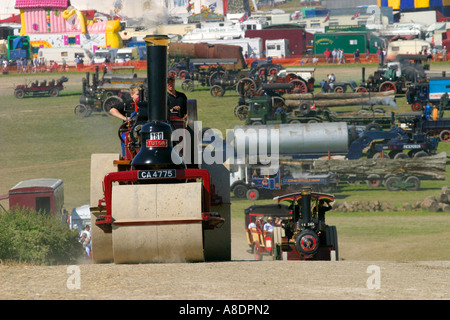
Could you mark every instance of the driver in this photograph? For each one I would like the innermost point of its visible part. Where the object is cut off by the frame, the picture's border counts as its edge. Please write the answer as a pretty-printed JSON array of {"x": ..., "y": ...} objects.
[
  {"x": 122, "y": 109},
  {"x": 176, "y": 101}
]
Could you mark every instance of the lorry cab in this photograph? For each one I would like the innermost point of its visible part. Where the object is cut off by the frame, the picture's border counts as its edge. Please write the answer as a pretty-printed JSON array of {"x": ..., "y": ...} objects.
[{"x": 127, "y": 54}]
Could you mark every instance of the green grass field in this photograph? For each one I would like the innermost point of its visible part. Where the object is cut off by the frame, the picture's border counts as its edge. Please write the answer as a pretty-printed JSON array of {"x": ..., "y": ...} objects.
[{"x": 41, "y": 138}]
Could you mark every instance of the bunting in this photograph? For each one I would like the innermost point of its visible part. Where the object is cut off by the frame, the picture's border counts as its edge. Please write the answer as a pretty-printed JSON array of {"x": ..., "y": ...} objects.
[
  {"x": 244, "y": 17},
  {"x": 356, "y": 15}
]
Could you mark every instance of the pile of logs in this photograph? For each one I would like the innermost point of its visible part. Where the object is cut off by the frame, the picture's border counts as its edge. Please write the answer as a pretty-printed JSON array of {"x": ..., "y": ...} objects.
[
  {"x": 341, "y": 99},
  {"x": 432, "y": 166},
  {"x": 441, "y": 203}
]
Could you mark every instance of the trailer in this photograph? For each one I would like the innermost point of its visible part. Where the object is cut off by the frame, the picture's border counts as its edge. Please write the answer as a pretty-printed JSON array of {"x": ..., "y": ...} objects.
[
  {"x": 290, "y": 177},
  {"x": 348, "y": 41},
  {"x": 393, "y": 174},
  {"x": 273, "y": 109},
  {"x": 296, "y": 36},
  {"x": 437, "y": 128},
  {"x": 299, "y": 144},
  {"x": 45, "y": 195}
]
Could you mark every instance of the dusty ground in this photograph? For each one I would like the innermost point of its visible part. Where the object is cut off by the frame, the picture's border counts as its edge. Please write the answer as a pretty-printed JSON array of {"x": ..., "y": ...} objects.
[{"x": 239, "y": 279}]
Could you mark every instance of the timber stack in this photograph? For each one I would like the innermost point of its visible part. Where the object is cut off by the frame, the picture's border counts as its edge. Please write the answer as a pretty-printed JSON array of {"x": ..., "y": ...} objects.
[
  {"x": 431, "y": 166},
  {"x": 386, "y": 98}
]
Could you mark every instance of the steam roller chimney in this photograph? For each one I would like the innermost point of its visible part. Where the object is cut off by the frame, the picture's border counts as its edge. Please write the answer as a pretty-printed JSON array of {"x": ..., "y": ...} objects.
[{"x": 156, "y": 150}]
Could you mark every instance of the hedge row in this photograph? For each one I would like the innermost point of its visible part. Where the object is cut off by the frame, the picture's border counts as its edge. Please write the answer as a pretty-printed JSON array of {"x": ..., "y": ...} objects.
[{"x": 27, "y": 236}]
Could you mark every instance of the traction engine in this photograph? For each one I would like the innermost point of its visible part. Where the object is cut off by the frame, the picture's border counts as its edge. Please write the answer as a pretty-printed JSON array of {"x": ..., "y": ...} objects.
[{"x": 152, "y": 204}]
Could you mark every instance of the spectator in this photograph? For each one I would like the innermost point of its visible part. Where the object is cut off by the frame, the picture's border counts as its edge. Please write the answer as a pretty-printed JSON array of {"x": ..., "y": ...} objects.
[
  {"x": 64, "y": 65},
  {"x": 19, "y": 65},
  {"x": 367, "y": 54},
  {"x": 86, "y": 232},
  {"x": 341, "y": 56},
  {"x": 325, "y": 86},
  {"x": 334, "y": 55},
  {"x": 327, "y": 54},
  {"x": 331, "y": 80},
  {"x": 356, "y": 56},
  {"x": 380, "y": 56},
  {"x": 268, "y": 226}
]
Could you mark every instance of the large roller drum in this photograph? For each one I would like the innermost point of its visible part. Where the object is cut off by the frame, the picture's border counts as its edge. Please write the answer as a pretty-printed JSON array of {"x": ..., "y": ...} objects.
[
  {"x": 157, "y": 223},
  {"x": 302, "y": 138},
  {"x": 101, "y": 164}
]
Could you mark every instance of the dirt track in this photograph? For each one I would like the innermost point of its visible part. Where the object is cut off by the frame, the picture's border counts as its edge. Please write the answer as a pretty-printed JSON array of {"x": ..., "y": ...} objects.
[{"x": 240, "y": 279}]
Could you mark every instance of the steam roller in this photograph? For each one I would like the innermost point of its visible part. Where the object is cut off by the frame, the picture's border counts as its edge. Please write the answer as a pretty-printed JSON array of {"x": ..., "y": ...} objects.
[{"x": 151, "y": 203}]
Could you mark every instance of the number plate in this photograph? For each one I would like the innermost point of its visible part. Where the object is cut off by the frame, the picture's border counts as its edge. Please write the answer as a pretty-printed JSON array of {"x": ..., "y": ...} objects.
[
  {"x": 156, "y": 174},
  {"x": 156, "y": 135}
]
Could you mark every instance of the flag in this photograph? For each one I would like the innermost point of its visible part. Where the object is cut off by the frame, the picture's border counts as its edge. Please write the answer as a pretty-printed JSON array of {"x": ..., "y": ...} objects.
[
  {"x": 356, "y": 15},
  {"x": 327, "y": 17},
  {"x": 244, "y": 17},
  {"x": 212, "y": 6},
  {"x": 297, "y": 15}
]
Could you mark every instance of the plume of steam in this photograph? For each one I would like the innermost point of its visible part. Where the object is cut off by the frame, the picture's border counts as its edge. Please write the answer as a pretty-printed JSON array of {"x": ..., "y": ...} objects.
[{"x": 146, "y": 13}]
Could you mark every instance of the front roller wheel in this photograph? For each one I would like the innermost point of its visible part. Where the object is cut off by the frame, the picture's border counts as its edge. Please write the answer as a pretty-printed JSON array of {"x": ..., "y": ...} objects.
[
  {"x": 332, "y": 239},
  {"x": 148, "y": 228}
]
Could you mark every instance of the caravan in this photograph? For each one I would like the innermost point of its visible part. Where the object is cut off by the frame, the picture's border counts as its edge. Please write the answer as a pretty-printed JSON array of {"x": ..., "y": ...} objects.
[
  {"x": 414, "y": 46},
  {"x": 68, "y": 54},
  {"x": 278, "y": 48}
]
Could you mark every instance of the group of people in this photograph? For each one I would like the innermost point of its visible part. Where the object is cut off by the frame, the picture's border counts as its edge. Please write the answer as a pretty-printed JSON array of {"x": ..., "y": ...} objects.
[
  {"x": 381, "y": 55},
  {"x": 335, "y": 56},
  {"x": 328, "y": 85},
  {"x": 34, "y": 65},
  {"x": 176, "y": 103},
  {"x": 267, "y": 226}
]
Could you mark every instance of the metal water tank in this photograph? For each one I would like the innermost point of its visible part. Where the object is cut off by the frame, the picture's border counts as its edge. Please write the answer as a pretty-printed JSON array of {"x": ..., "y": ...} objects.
[{"x": 290, "y": 139}]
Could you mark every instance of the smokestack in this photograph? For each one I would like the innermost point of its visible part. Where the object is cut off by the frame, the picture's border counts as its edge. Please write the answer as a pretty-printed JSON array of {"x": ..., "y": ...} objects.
[{"x": 157, "y": 76}]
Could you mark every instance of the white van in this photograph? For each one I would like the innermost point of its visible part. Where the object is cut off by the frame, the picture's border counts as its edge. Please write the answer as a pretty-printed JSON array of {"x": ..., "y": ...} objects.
[
  {"x": 101, "y": 54},
  {"x": 127, "y": 54},
  {"x": 69, "y": 54}
]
